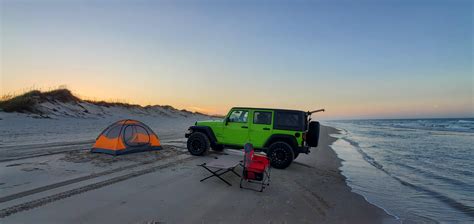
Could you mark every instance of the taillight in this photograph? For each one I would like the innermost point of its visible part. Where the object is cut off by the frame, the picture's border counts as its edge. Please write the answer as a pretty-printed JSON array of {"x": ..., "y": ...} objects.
[{"x": 304, "y": 136}]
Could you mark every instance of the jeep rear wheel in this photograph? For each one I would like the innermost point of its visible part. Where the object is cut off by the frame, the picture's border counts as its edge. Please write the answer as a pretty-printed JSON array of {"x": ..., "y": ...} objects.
[
  {"x": 281, "y": 155},
  {"x": 198, "y": 143}
]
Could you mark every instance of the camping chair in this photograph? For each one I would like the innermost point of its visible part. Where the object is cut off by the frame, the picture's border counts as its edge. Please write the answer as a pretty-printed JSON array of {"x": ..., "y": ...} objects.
[
  {"x": 221, "y": 165},
  {"x": 256, "y": 169}
]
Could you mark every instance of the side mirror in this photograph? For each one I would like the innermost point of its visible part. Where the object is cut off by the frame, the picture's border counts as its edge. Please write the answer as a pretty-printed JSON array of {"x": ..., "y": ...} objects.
[{"x": 226, "y": 121}]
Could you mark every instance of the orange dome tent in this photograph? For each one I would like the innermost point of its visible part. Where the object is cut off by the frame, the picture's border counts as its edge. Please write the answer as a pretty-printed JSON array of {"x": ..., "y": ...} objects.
[{"x": 126, "y": 136}]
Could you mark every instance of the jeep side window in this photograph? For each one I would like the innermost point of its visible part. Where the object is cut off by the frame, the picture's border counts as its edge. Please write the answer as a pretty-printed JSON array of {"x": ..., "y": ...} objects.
[
  {"x": 288, "y": 120},
  {"x": 262, "y": 117},
  {"x": 239, "y": 116}
]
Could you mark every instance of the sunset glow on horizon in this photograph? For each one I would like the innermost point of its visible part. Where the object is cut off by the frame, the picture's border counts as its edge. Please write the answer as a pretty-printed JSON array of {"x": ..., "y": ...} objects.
[{"x": 373, "y": 59}]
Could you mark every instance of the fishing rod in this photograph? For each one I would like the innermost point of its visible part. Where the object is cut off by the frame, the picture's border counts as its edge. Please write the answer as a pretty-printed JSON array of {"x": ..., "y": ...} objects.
[
  {"x": 309, "y": 113},
  {"x": 315, "y": 111}
]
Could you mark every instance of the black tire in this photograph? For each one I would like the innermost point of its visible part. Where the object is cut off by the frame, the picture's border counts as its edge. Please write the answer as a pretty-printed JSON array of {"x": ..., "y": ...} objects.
[
  {"x": 281, "y": 155},
  {"x": 217, "y": 148},
  {"x": 198, "y": 143},
  {"x": 312, "y": 136}
]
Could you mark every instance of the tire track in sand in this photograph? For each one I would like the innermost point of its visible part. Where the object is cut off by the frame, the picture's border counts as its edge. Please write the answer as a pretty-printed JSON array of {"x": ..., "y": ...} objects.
[
  {"x": 79, "y": 179},
  {"x": 45, "y": 200}
]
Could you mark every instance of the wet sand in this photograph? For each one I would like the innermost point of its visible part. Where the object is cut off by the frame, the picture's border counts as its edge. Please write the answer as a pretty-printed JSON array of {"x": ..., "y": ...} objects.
[{"x": 311, "y": 190}]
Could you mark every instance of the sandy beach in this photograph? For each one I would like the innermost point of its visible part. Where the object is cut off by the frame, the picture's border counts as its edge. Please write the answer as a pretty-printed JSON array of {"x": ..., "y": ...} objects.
[{"x": 164, "y": 187}]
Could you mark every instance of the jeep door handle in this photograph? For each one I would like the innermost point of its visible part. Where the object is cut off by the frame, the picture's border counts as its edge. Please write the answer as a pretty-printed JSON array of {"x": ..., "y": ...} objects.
[
  {"x": 266, "y": 129},
  {"x": 245, "y": 127}
]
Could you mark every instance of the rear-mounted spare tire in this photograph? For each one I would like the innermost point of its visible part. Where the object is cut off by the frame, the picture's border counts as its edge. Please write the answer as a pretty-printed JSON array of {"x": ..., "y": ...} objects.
[
  {"x": 198, "y": 143},
  {"x": 312, "y": 137}
]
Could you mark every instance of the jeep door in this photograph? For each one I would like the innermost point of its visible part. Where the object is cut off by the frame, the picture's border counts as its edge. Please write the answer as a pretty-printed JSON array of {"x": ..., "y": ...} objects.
[
  {"x": 236, "y": 131},
  {"x": 260, "y": 127}
]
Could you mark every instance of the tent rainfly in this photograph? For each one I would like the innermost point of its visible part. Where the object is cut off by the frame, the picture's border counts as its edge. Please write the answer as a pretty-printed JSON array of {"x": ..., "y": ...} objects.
[{"x": 126, "y": 136}]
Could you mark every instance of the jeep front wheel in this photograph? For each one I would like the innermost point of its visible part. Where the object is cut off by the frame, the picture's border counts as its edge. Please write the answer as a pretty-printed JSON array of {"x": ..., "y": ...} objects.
[
  {"x": 281, "y": 155},
  {"x": 198, "y": 143}
]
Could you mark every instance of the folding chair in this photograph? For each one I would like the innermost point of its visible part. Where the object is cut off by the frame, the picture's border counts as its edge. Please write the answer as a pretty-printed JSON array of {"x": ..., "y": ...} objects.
[
  {"x": 221, "y": 165},
  {"x": 256, "y": 169}
]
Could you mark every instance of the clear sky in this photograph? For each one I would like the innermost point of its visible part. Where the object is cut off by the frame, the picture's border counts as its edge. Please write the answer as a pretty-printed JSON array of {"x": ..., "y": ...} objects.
[{"x": 357, "y": 59}]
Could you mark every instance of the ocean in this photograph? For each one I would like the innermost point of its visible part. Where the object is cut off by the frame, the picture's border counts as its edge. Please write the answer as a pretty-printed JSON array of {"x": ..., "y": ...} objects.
[{"x": 418, "y": 170}]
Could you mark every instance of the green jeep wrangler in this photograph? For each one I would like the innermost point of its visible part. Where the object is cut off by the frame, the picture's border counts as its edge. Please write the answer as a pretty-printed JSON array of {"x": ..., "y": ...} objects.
[{"x": 281, "y": 134}]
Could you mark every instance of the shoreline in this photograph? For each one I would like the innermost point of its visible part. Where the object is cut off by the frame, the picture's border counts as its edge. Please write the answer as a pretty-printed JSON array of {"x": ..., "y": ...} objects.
[
  {"x": 338, "y": 131},
  {"x": 334, "y": 130},
  {"x": 383, "y": 159},
  {"x": 328, "y": 159}
]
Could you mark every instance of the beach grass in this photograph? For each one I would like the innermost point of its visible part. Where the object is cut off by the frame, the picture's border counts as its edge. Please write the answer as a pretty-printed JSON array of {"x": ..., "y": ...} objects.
[{"x": 26, "y": 102}]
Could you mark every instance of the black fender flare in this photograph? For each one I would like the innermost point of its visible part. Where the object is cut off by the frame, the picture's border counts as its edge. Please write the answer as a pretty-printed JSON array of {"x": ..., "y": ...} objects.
[
  {"x": 290, "y": 139},
  {"x": 206, "y": 130}
]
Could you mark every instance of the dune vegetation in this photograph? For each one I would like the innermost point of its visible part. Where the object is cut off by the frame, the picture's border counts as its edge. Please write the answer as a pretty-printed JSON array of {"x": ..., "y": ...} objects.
[{"x": 27, "y": 102}]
